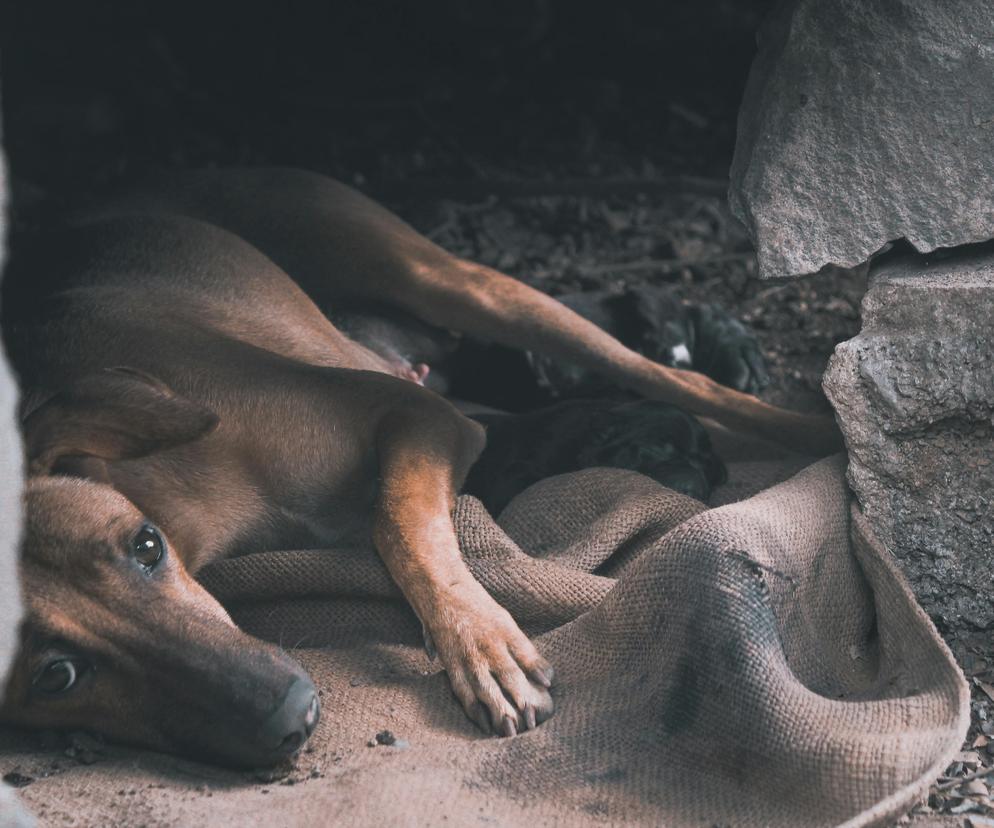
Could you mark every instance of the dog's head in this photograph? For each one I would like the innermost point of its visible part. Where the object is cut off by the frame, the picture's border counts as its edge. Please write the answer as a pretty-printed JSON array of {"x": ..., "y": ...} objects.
[{"x": 118, "y": 637}]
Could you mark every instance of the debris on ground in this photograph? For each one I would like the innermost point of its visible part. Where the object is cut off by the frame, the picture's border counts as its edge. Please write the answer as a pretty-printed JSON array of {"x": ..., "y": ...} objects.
[
  {"x": 966, "y": 787},
  {"x": 687, "y": 242},
  {"x": 85, "y": 748},
  {"x": 16, "y": 779},
  {"x": 385, "y": 737},
  {"x": 277, "y": 773}
]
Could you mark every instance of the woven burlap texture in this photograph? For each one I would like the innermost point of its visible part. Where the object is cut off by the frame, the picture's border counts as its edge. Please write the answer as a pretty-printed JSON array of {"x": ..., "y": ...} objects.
[{"x": 762, "y": 663}]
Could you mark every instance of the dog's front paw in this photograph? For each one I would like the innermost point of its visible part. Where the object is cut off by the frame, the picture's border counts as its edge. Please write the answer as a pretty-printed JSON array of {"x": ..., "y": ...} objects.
[{"x": 496, "y": 673}]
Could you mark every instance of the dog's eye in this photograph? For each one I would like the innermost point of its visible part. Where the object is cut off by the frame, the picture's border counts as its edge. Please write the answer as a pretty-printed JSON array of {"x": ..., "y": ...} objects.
[
  {"x": 59, "y": 676},
  {"x": 148, "y": 546}
]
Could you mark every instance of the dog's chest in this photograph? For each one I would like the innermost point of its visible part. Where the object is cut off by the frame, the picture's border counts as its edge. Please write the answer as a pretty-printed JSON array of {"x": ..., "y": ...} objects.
[{"x": 313, "y": 529}]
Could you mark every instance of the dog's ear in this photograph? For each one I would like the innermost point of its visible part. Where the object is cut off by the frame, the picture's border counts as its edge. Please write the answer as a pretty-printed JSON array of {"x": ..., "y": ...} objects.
[{"x": 114, "y": 414}]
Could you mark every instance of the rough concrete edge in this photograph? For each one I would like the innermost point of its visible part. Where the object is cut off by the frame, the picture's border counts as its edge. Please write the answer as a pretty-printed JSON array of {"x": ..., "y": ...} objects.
[
  {"x": 12, "y": 813},
  {"x": 884, "y": 317},
  {"x": 771, "y": 39}
]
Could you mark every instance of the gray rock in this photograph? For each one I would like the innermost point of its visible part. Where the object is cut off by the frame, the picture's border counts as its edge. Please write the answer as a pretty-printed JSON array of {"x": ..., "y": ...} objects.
[
  {"x": 12, "y": 814},
  {"x": 914, "y": 393},
  {"x": 10, "y": 528},
  {"x": 865, "y": 121}
]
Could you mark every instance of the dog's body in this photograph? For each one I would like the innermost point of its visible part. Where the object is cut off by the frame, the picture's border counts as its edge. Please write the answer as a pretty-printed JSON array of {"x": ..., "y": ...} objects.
[{"x": 169, "y": 360}]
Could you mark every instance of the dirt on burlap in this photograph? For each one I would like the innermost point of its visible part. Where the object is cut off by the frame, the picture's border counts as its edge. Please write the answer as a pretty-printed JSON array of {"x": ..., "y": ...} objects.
[{"x": 760, "y": 663}]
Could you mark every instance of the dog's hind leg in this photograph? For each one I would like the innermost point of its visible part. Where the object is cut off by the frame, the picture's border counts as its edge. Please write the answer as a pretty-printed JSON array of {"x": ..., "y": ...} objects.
[
  {"x": 338, "y": 244},
  {"x": 471, "y": 298}
]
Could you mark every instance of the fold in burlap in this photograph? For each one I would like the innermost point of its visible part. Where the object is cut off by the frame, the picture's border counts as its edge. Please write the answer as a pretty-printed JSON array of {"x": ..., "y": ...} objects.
[{"x": 761, "y": 663}]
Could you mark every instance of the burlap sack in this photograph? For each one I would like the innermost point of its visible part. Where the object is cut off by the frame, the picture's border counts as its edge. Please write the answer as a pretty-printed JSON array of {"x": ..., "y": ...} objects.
[{"x": 763, "y": 663}]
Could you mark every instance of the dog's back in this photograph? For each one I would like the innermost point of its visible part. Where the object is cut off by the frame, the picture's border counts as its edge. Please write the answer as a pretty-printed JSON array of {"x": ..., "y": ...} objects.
[
  {"x": 148, "y": 291},
  {"x": 333, "y": 240}
]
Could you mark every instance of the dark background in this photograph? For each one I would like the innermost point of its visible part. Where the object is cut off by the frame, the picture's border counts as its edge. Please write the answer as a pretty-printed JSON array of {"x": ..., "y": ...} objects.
[
  {"x": 376, "y": 91},
  {"x": 575, "y": 145}
]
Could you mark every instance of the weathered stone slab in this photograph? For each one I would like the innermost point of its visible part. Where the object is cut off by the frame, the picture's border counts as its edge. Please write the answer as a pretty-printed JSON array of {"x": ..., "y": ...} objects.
[
  {"x": 914, "y": 393},
  {"x": 864, "y": 122}
]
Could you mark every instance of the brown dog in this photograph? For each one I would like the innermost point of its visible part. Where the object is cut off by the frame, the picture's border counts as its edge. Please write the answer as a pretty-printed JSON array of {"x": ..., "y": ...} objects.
[{"x": 175, "y": 376}]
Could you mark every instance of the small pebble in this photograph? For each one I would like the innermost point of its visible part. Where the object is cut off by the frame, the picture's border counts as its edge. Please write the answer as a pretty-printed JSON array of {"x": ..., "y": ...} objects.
[{"x": 17, "y": 780}]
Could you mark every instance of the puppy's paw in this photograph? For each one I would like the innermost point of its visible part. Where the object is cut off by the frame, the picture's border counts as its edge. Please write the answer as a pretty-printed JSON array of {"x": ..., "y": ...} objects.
[{"x": 496, "y": 673}]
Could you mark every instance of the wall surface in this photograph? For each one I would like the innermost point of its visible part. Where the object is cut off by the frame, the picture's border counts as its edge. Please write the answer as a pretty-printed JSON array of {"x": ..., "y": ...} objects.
[
  {"x": 10, "y": 524},
  {"x": 865, "y": 122}
]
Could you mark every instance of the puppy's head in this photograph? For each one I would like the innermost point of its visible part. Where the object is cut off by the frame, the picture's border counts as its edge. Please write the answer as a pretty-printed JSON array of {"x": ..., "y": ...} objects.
[{"x": 118, "y": 637}]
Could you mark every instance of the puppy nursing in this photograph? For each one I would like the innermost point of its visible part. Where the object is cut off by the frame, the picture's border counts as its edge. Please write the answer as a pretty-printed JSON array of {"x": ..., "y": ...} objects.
[{"x": 185, "y": 399}]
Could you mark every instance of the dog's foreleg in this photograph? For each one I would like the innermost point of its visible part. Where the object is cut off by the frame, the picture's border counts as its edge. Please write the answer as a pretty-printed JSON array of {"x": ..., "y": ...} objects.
[{"x": 496, "y": 673}]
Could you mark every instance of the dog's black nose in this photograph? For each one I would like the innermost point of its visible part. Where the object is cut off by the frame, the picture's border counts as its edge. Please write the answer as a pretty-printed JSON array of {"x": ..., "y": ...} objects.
[{"x": 286, "y": 730}]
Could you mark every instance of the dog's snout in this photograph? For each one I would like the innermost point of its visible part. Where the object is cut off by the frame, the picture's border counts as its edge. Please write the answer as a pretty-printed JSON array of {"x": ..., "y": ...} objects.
[{"x": 290, "y": 725}]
